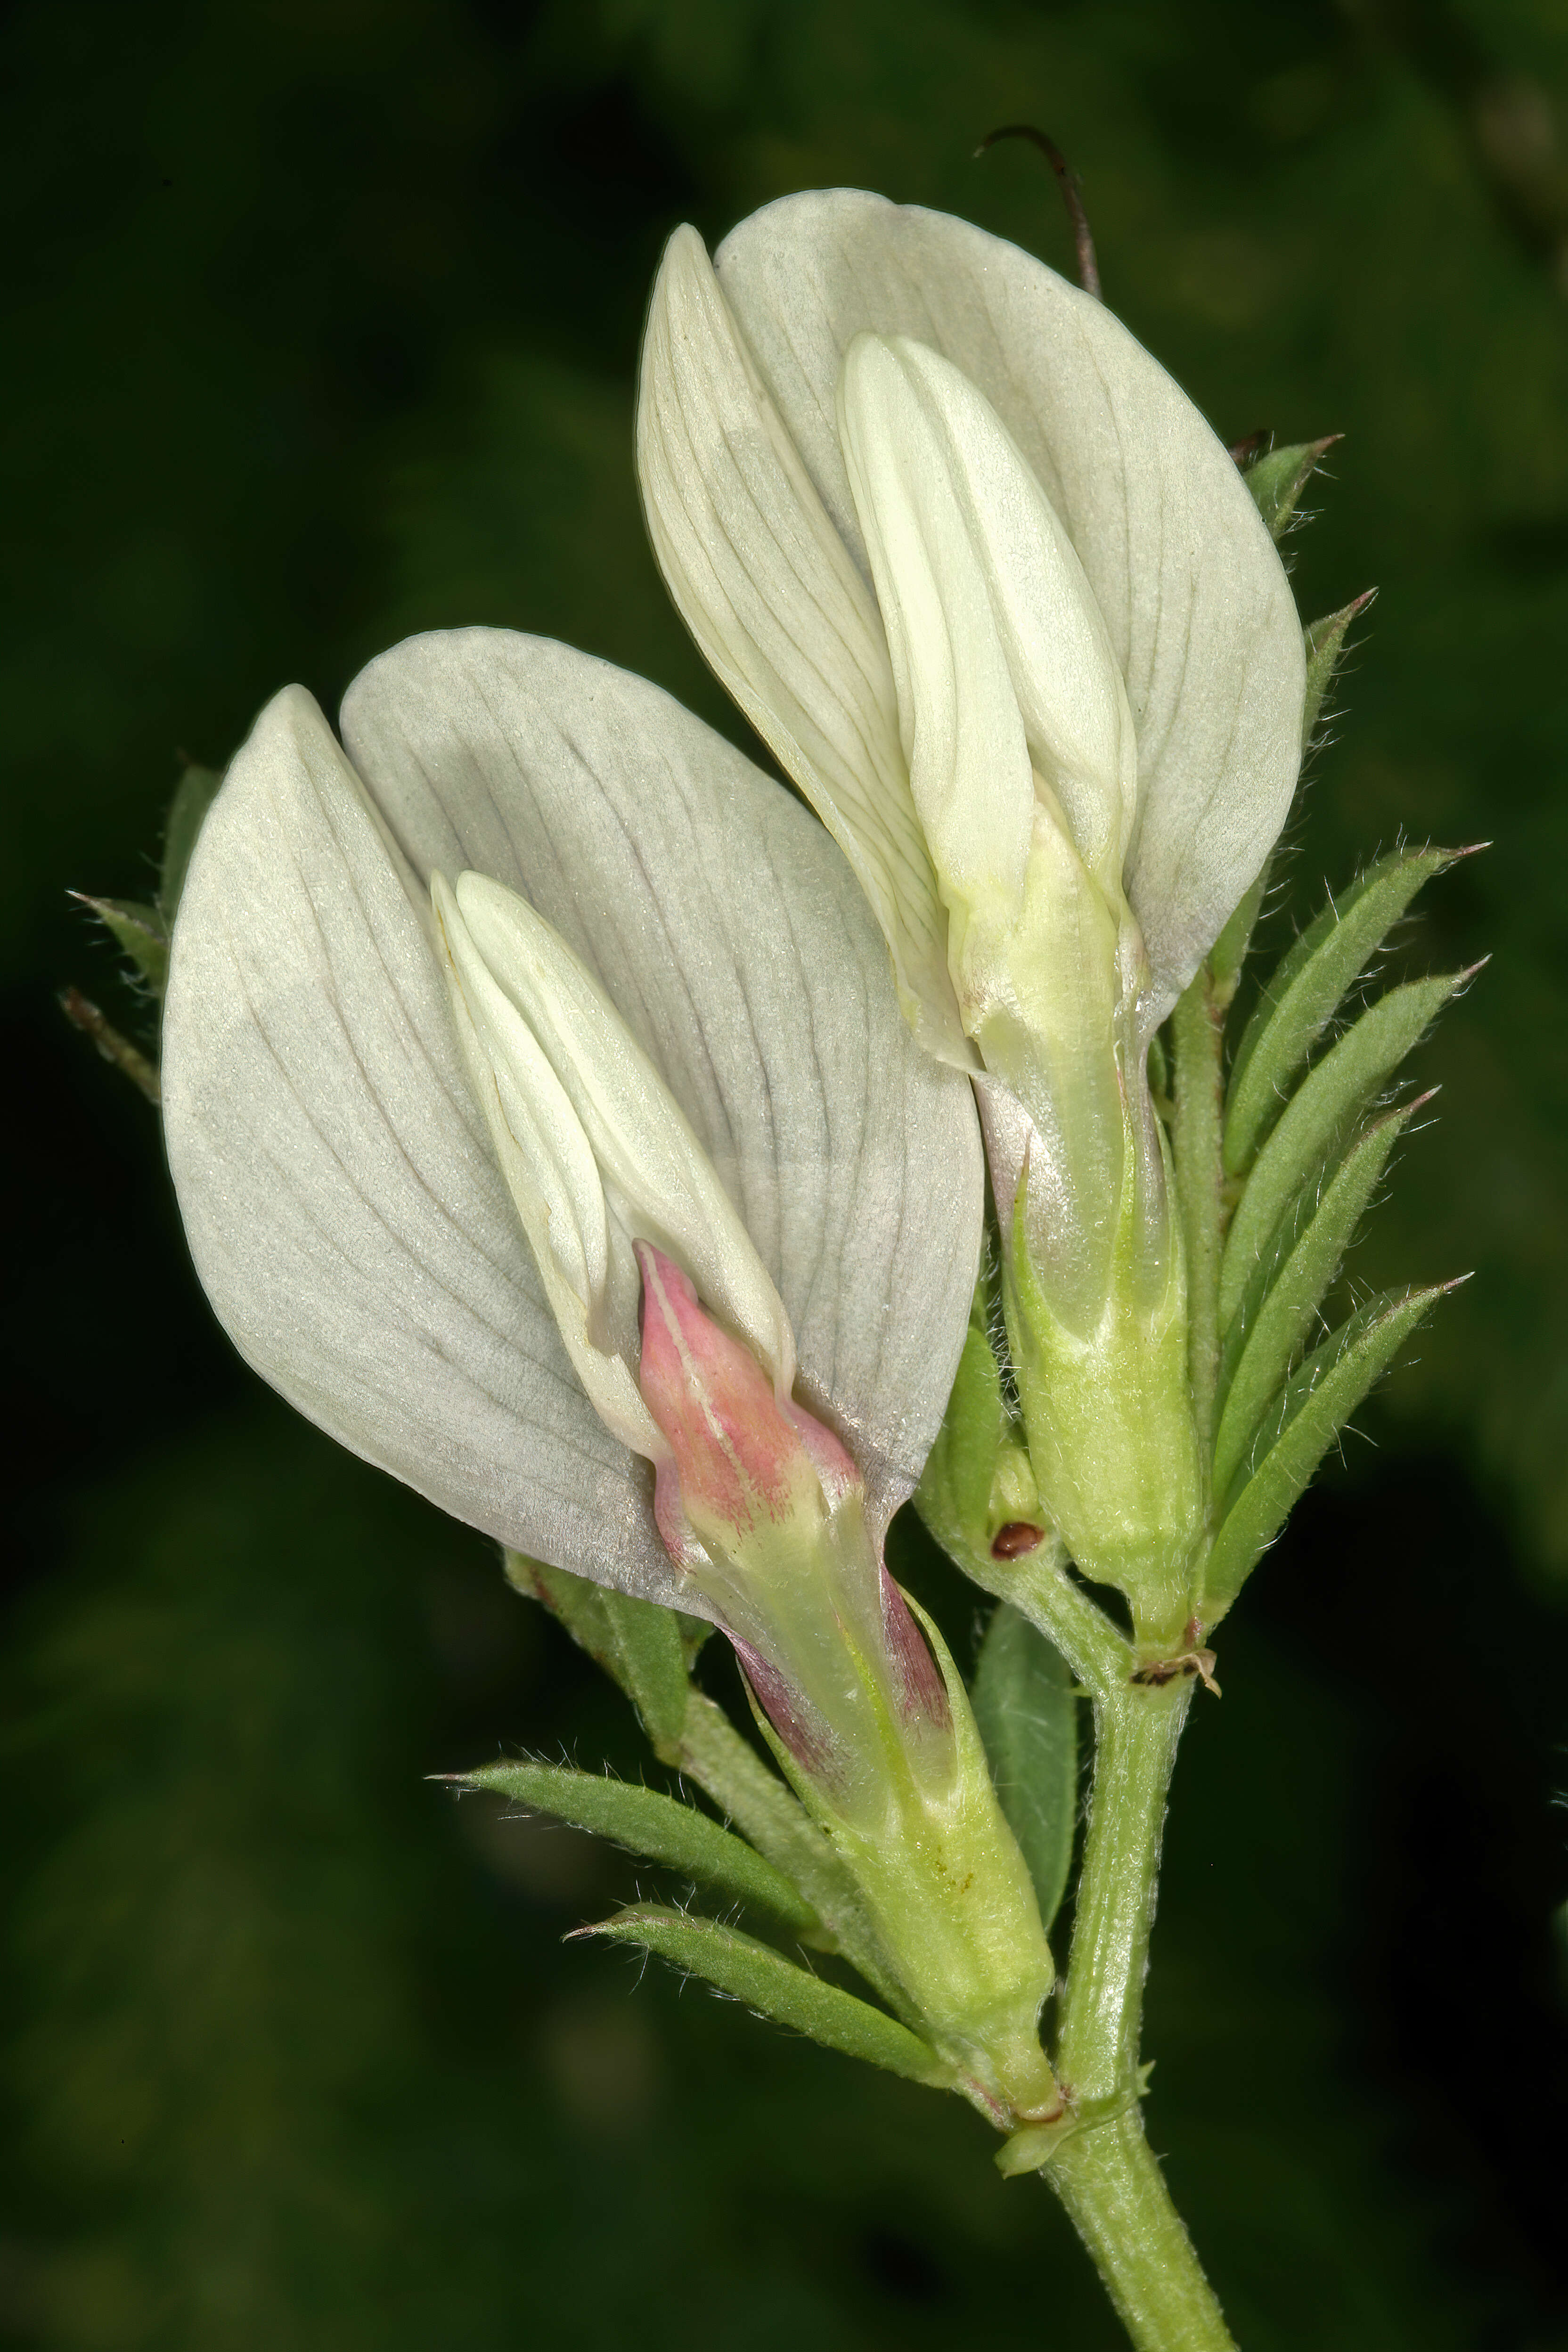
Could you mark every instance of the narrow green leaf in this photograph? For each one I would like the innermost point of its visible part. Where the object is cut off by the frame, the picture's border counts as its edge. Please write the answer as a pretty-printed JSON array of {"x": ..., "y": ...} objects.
[
  {"x": 1278, "y": 479},
  {"x": 641, "y": 1646},
  {"x": 140, "y": 931},
  {"x": 1321, "y": 1120},
  {"x": 658, "y": 1827},
  {"x": 645, "y": 1648},
  {"x": 1288, "y": 1286},
  {"x": 1310, "y": 983},
  {"x": 1228, "y": 952},
  {"x": 194, "y": 795},
  {"x": 1310, "y": 1412},
  {"x": 83, "y": 1015},
  {"x": 1024, "y": 1704},
  {"x": 766, "y": 1981},
  {"x": 1325, "y": 642}
]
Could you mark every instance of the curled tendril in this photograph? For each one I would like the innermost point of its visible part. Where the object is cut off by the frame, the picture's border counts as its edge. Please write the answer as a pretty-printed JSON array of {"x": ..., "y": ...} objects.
[{"x": 1072, "y": 196}]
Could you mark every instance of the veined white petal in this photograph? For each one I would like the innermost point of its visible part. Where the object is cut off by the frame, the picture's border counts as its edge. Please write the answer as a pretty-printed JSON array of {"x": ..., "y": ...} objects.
[
  {"x": 554, "y": 1182},
  {"x": 340, "y": 1196},
  {"x": 523, "y": 1100},
  {"x": 736, "y": 945},
  {"x": 1191, "y": 587},
  {"x": 955, "y": 463},
  {"x": 767, "y": 588},
  {"x": 624, "y": 1115},
  {"x": 963, "y": 733}
]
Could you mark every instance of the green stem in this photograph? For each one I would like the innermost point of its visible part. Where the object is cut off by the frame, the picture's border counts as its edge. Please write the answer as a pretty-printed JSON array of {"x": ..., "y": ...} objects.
[
  {"x": 1039, "y": 1588},
  {"x": 1109, "y": 2180},
  {"x": 1198, "y": 1030},
  {"x": 1104, "y": 2172},
  {"x": 1136, "y": 1732}
]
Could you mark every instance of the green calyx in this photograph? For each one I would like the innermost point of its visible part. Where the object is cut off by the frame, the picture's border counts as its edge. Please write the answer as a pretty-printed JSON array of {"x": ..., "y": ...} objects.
[
  {"x": 949, "y": 1896},
  {"x": 1112, "y": 1441}
]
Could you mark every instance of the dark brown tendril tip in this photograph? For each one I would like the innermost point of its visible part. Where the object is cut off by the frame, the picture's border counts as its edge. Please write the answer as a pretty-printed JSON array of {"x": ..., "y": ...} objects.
[{"x": 1072, "y": 196}]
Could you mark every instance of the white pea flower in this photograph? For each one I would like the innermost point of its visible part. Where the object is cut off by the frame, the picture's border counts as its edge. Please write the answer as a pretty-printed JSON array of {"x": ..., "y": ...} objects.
[
  {"x": 988, "y": 585},
  {"x": 545, "y": 1127},
  {"x": 340, "y": 1181}
]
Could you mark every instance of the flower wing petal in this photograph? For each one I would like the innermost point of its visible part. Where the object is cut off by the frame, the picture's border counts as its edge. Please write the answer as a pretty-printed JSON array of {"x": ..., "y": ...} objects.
[
  {"x": 554, "y": 1180},
  {"x": 734, "y": 943},
  {"x": 1193, "y": 595},
  {"x": 963, "y": 733},
  {"x": 767, "y": 588},
  {"x": 641, "y": 1142},
  {"x": 339, "y": 1193}
]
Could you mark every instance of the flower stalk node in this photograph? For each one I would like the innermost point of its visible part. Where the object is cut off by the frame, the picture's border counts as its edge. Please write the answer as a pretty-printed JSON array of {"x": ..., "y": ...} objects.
[{"x": 1190, "y": 1663}]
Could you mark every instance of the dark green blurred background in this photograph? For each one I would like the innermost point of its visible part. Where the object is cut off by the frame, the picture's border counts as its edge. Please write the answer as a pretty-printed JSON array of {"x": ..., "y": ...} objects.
[{"x": 323, "y": 316}]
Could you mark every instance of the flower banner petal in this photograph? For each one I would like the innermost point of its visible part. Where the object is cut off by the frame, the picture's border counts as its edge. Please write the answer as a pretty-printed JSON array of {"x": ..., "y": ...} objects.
[
  {"x": 734, "y": 943},
  {"x": 1191, "y": 587},
  {"x": 341, "y": 1199}
]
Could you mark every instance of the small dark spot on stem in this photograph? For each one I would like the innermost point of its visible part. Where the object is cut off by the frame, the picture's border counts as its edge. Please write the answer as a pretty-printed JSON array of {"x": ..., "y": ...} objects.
[{"x": 1014, "y": 1540}]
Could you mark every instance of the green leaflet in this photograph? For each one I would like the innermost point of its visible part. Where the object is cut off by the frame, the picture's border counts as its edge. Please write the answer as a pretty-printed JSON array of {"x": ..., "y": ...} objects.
[
  {"x": 1311, "y": 981},
  {"x": 194, "y": 795},
  {"x": 713, "y": 1753},
  {"x": 140, "y": 931},
  {"x": 1228, "y": 952},
  {"x": 764, "y": 1981},
  {"x": 1286, "y": 1288},
  {"x": 657, "y": 1827},
  {"x": 641, "y": 1646},
  {"x": 1320, "y": 1119},
  {"x": 645, "y": 1650},
  {"x": 1311, "y": 1410},
  {"x": 1278, "y": 479},
  {"x": 1325, "y": 642},
  {"x": 1024, "y": 1703},
  {"x": 143, "y": 930}
]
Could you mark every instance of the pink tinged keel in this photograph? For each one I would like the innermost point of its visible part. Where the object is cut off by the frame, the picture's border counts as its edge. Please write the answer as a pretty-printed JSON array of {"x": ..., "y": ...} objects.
[
  {"x": 752, "y": 1480},
  {"x": 742, "y": 1462}
]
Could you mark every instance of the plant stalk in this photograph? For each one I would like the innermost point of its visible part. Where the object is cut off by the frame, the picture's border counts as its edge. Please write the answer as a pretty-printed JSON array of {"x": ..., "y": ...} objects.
[
  {"x": 1136, "y": 1731},
  {"x": 1104, "y": 2172},
  {"x": 1109, "y": 2180}
]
